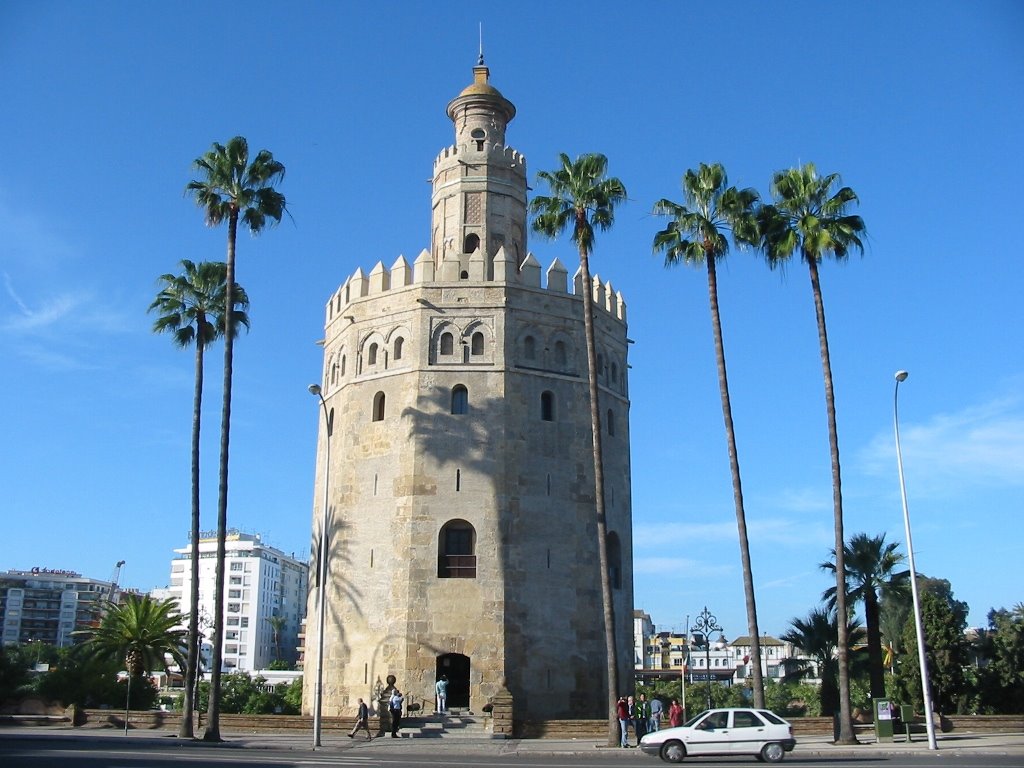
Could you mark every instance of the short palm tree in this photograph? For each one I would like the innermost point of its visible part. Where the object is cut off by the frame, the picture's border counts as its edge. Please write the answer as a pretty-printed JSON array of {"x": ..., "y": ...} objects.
[
  {"x": 809, "y": 217},
  {"x": 817, "y": 636},
  {"x": 583, "y": 198},
  {"x": 141, "y": 631},
  {"x": 232, "y": 189},
  {"x": 191, "y": 308},
  {"x": 698, "y": 233},
  {"x": 871, "y": 576}
]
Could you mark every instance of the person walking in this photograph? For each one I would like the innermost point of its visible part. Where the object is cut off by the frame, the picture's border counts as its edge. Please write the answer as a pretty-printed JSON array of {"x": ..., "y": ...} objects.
[
  {"x": 362, "y": 721},
  {"x": 654, "y": 722},
  {"x": 622, "y": 712},
  {"x": 441, "y": 689},
  {"x": 395, "y": 708},
  {"x": 675, "y": 714}
]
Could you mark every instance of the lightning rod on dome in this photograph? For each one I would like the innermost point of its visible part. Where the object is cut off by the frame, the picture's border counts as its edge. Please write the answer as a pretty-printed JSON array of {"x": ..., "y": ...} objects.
[{"x": 480, "y": 61}]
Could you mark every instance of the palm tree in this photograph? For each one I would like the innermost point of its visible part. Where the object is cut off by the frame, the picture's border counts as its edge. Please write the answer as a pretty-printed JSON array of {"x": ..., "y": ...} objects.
[
  {"x": 191, "y": 307},
  {"x": 871, "y": 577},
  {"x": 697, "y": 234},
  {"x": 817, "y": 636},
  {"x": 808, "y": 217},
  {"x": 231, "y": 189},
  {"x": 277, "y": 624},
  {"x": 141, "y": 631},
  {"x": 584, "y": 198}
]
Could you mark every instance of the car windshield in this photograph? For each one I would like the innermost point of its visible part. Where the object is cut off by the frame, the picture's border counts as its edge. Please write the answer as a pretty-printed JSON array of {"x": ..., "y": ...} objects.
[{"x": 689, "y": 723}]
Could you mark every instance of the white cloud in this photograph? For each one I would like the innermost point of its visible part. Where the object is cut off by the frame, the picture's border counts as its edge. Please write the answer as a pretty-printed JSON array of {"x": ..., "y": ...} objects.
[
  {"x": 678, "y": 567},
  {"x": 981, "y": 445}
]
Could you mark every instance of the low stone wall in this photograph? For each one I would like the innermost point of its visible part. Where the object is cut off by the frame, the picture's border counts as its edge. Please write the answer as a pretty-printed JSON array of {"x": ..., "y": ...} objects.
[{"x": 986, "y": 723}]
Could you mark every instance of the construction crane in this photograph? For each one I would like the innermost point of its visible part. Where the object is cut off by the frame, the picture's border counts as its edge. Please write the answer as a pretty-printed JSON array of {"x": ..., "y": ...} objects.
[{"x": 114, "y": 578}]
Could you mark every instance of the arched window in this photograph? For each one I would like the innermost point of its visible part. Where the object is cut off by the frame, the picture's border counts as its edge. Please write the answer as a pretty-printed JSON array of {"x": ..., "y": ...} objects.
[
  {"x": 529, "y": 348},
  {"x": 460, "y": 400},
  {"x": 378, "y": 407},
  {"x": 600, "y": 365},
  {"x": 399, "y": 343},
  {"x": 547, "y": 406},
  {"x": 611, "y": 422},
  {"x": 371, "y": 356},
  {"x": 614, "y": 561},
  {"x": 334, "y": 373},
  {"x": 560, "y": 356},
  {"x": 342, "y": 365},
  {"x": 456, "y": 551},
  {"x": 471, "y": 243},
  {"x": 615, "y": 375},
  {"x": 477, "y": 344},
  {"x": 447, "y": 343}
]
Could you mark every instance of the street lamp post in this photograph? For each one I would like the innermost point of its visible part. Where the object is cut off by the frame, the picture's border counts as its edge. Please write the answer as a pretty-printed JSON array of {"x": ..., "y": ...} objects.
[
  {"x": 901, "y": 376},
  {"x": 321, "y": 609},
  {"x": 706, "y": 623},
  {"x": 686, "y": 663}
]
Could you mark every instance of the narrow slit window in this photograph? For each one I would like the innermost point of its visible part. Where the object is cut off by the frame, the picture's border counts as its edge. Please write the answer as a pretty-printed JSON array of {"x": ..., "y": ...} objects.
[
  {"x": 460, "y": 400},
  {"x": 547, "y": 406}
]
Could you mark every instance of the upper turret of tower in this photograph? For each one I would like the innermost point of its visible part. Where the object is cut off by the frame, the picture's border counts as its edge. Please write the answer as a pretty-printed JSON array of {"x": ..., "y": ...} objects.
[
  {"x": 480, "y": 112},
  {"x": 479, "y": 187}
]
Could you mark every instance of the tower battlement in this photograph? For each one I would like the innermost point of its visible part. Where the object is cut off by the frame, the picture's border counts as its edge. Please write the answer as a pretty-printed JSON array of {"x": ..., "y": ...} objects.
[
  {"x": 401, "y": 275},
  {"x": 498, "y": 152}
]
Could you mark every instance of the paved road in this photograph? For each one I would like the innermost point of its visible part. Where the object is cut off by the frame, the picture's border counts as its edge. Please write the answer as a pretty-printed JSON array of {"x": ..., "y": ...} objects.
[{"x": 62, "y": 747}]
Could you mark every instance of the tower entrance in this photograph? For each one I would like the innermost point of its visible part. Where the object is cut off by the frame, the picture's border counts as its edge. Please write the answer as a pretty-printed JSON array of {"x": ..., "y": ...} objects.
[{"x": 456, "y": 667}]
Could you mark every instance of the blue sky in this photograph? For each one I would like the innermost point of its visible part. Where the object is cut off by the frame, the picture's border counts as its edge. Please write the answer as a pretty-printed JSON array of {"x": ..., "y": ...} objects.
[{"x": 916, "y": 104}]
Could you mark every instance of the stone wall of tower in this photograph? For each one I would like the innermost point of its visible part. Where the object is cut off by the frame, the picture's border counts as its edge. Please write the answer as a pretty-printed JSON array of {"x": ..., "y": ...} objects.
[{"x": 532, "y": 616}]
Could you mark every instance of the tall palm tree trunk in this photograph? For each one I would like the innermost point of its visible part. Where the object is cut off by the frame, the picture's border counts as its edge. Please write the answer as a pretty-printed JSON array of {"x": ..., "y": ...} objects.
[
  {"x": 611, "y": 661},
  {"x": 213, "y": 711},
  {"x": 185, "y": 730},
  {"x": 874, "y": 632},
  {"x": 737, "y": 488},
  {"x": 846, "y": 735}
]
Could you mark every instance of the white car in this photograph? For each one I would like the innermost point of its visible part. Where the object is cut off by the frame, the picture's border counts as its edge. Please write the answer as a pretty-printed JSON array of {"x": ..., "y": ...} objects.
[{"x": 738, "y": 731}]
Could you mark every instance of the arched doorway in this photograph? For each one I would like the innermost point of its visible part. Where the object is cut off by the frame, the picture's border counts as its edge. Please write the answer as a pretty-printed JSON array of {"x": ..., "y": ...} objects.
[{"x": 456, "y": 667}]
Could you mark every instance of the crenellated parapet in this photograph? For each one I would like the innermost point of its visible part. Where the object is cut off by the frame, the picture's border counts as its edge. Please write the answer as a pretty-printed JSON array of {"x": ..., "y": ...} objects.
[
  {"x": 507, "y": 156},
  {"x": 422, "y": 272}
]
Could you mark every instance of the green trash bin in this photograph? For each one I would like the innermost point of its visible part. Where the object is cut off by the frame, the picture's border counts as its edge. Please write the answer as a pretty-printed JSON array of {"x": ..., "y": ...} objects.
[
  {"x": 884, "y": 711},
  {"x": 907, "y": 717}
]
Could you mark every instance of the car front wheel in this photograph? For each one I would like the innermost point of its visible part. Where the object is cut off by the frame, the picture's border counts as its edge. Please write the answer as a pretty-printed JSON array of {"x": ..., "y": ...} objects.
[
  {"x": 773, "y": 753},
  {"x": 673, "y": 751}
]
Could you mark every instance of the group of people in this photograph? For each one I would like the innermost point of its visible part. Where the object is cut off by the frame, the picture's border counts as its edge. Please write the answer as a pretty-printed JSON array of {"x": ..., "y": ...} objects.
[
  {"x": 395, "y": 704},
  {"x": 644, "y": 716}
]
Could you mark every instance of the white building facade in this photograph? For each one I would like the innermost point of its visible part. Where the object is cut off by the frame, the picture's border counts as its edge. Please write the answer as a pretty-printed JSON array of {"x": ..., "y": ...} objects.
[
  {"x": 262, "y": 584},
  {"x": 45, "y": 605}
]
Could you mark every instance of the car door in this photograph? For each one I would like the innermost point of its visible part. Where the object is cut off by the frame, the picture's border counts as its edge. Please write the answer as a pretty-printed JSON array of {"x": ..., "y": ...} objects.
[
  {"x": 710, "y": 736},
  {"x": 748, "y": 732}
]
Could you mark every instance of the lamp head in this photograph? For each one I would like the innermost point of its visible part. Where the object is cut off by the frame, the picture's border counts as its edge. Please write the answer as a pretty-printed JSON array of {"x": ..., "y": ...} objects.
[
  {"x": 314, "y": 389},
  {"x": 901, "y": 375}
]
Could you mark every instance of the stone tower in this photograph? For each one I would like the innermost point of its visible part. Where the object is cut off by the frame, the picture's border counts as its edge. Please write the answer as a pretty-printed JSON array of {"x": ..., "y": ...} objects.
[{"x": 460, "y": 502}]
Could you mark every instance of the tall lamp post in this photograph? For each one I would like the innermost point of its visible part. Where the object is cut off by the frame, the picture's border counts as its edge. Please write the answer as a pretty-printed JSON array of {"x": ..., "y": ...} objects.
[
  {"x": 686, "y": 663},
  {"x": 706, "y": 623},
  {"x": 901, "y": 376},
  {"x": 321, "y": 607}
]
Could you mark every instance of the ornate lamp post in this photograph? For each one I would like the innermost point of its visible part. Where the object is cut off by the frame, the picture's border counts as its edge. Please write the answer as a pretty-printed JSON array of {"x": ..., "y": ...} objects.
[
  {"x": 321, "y": 601},
  {"x": 706, "y": 623},
  {"x": 925, "y": 685}
]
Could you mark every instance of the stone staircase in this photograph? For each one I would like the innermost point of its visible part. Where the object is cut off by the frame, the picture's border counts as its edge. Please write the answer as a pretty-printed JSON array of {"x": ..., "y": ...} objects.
[{"x": 455, "y": 725}]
